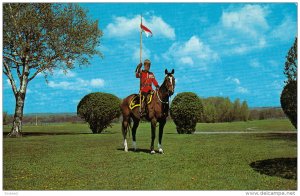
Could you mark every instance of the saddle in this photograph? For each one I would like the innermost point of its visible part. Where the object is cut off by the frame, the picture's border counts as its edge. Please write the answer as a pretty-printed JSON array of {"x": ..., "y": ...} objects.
[{"x": 135, "y": 101}]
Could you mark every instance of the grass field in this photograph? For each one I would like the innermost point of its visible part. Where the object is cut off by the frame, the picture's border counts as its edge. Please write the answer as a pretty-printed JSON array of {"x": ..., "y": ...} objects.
[{"x": 69, "y": 157}]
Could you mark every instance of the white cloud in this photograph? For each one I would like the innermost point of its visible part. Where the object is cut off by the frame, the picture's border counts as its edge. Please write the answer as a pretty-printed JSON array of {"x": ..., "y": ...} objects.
[
  {"x": 277, "y": 84},
  {"x": 242, "y": 90},
  {"x": 254, "y": 63},
  {"x": 234, "y": 80},
  {"x": 250, "y": 19},
  {"x": 246, "y": 46},
  {"x": 160, "y": 27},
  {"x": 63, "y": 85},
  {"x": 273, "y": 63},
  {"x": 79, "y": 84},
  {"x": 59, "y": 73},
  {"x": 124, "y": 27},
  {"x": 146, "y": 53},
  {"x": 286, "y": 31},
  {"x": 237, "y": 83},
  {"x": 8, "y": 82},
  {"x": 247, "y": 28},
  {"x": 186, "y": 60},
  {"x": 28, "y": 90},
  {"x": 97, "y": 82},
  {"x": 241, "y": 49},
  {"x": 192, "y": 52},
  {"x": 240, "y": 30},
  {"x": 62, "y": 73}
]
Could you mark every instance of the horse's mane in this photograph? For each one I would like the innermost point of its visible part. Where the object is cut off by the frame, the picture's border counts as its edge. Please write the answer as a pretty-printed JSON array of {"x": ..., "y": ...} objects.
[{"x": 164, "y": 89}]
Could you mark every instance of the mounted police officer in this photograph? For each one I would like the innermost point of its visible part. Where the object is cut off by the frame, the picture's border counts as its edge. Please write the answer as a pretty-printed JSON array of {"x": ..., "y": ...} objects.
[{"x": 147, "y": 78}]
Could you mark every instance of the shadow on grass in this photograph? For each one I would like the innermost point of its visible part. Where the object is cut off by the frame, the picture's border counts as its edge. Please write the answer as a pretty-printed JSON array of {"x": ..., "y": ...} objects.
[
  {"x": 280, "y": 167},
  {"x": 139, "y": 150},
  {"x": 279, "y": 136},
  {"x": 27, "y": 134}
]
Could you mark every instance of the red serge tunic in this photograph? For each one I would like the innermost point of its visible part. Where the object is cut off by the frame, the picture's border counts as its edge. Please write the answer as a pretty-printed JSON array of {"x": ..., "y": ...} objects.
[{"x": 146, "y": 80}]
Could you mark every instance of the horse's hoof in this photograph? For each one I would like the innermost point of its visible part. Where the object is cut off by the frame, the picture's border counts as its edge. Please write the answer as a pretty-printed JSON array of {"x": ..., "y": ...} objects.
[
  {"x": 134, "y": 145},
  {"x": 152, "y": 152},
  {"x": 161, "y": 151}
]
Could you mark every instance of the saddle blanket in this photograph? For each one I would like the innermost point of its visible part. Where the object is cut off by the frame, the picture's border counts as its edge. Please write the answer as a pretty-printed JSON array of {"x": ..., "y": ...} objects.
[{"x": 135, "y": 101}]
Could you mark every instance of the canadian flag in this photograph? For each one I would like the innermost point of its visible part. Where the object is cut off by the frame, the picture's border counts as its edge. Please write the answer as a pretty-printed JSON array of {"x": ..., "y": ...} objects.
[{"x": 146, "y": 30}]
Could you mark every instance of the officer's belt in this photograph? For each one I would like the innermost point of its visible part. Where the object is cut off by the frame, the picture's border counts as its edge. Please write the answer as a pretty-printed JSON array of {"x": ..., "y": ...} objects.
[{"x": 144, "y": 85}]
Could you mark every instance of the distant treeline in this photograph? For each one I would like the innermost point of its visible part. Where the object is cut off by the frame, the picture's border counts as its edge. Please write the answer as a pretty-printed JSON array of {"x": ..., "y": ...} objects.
[
  {"x": 266, "y": 113},
  {"x": 215, "y": 109},
  {"x": 220, "y": 109},
  {"x": 42, "y": 119}
]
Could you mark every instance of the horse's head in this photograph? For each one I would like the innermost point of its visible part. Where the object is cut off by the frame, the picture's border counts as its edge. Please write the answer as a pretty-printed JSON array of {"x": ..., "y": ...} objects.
[{"x": 169, "y": 82}]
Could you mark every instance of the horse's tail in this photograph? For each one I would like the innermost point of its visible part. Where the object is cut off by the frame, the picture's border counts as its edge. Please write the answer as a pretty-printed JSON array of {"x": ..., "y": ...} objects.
[
  {"x": 126, "y": 127},
  {"x": 129, "y": 127},
  {"x": 126, "y": 112}
]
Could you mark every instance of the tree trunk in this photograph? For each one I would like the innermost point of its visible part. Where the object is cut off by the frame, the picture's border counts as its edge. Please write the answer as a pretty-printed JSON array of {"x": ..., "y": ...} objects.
[{"x": 16, "y": 130}]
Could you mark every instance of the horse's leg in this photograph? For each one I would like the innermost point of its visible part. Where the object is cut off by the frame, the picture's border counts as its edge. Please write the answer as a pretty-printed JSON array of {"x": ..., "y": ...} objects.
[
  {"x": 125, "y": 125},
  {"x": 153, "y": 130},
  {"x": 161, "y": 131},
  {"x": 135, "y": 126}
]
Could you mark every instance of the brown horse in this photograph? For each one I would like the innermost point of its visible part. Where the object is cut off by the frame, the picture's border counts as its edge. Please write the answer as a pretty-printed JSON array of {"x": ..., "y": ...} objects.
[{"x": 158, "y": 110}]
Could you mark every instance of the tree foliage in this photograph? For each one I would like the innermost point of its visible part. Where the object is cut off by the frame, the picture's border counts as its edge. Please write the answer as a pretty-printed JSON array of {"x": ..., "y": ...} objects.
[
  {"x": 266, "y": 113},
  {"x": 99, "y": 110},
  {"x": 46, "y": 36},
  {"x": 186, "y": 109},
  {"x": 291, "y": 64},
  {"x": 244, "y": 112},
  {"x": 41, "y": 37},
  {"x": 221, "y": 109},
  {"x": 288, "y": 98},
  {"x": 288, "y": 101}
]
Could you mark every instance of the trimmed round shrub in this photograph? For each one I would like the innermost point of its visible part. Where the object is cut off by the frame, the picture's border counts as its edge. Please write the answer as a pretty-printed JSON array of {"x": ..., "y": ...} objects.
[
  {"x": 186, "y": 109},
  {"x": 99, "y": 110},
  {"x": 288, "y": 101}
]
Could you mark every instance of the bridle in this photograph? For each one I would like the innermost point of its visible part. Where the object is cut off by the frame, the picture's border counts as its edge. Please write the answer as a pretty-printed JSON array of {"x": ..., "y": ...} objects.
[{"x": 165, "y": 85}]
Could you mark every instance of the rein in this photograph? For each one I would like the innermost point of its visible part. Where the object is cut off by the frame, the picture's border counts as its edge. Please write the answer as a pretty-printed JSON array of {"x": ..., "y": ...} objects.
[{"x": 164, "y": 102}]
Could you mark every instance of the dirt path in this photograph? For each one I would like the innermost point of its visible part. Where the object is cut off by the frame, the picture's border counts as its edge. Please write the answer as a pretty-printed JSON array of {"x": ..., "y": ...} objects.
[{"x": 244, "y": 132}]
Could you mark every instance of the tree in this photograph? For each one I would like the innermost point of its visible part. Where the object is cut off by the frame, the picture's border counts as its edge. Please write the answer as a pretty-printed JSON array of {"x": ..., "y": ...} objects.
[
  {"x": 228, "y": 113},
  {"x": 288, "y": 98},
  {"x": 291, "y": 64},
  {"x": 244, "y": 111},
  {"x": 186, "y": 110},
  {"x": 209, "y": 113},
  {"x": 288, "y": 101},
  {"x": 237, "y": 110},
  {"x": 99, "y": 110},
  {"x": 39, "y": 38}
]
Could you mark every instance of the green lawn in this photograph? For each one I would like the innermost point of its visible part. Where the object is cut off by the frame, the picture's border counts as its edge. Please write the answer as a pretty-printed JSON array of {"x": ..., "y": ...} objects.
[{"x": 69, "y": 157}]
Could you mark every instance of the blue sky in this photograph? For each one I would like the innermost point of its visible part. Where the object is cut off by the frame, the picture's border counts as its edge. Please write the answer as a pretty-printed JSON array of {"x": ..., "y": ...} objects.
[{"x": 234, "y": 50}]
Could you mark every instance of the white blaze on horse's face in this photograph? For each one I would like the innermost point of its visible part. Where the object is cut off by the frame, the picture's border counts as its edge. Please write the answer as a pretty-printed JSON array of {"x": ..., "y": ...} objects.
[{"x": 170, "y": 83}]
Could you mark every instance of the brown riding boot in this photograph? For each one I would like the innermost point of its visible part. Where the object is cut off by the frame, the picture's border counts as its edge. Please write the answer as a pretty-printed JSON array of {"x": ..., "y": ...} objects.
[{"x": 143, "y": 111}]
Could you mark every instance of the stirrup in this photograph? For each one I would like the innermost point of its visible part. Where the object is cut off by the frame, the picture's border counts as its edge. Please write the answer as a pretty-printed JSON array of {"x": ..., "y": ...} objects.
[{"x": 142, "y": 114}]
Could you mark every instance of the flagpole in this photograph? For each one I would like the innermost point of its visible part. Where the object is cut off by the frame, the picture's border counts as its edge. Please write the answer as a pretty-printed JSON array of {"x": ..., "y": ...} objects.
[
  {"x": 141, "y": 41},
  {"x": 141, "y": 62}
]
